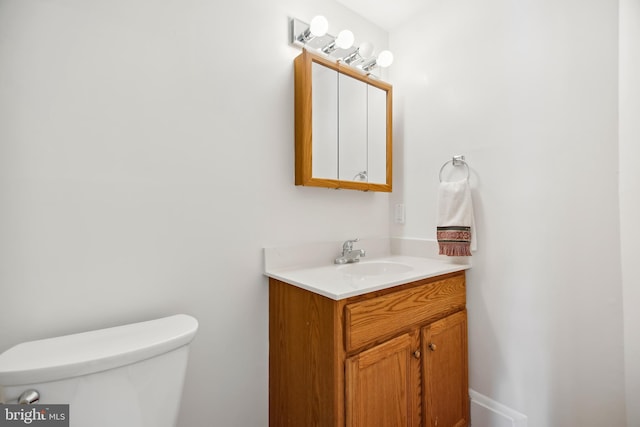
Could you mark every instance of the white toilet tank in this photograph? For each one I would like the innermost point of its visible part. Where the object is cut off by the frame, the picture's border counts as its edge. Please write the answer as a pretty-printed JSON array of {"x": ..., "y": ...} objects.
[{"x": 126, "y": 376}]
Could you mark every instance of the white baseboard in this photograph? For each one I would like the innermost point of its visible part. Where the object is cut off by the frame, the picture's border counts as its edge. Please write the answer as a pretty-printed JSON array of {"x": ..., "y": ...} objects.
[{"x": 486, "y": 412}]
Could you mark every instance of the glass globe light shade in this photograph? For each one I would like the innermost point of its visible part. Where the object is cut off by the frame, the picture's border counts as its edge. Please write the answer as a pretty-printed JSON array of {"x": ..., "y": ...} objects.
[
  {"x": 319, "y": 26},
  {"x": 365, "y": 50},
  {"x": 345, "y": 39},
  {"x": 385, "y": 58}
]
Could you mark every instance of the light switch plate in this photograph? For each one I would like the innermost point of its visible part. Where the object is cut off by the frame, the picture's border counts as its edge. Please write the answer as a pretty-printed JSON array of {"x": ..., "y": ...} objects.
[{"x": 399, "y": 214}]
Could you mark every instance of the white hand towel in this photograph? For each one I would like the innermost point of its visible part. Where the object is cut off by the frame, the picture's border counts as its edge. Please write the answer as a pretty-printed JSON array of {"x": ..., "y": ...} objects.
[{"x": 455, "y": 227}]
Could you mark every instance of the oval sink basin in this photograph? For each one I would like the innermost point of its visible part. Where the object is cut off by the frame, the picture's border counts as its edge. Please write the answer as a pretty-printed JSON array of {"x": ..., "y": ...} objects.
[{"x": 376, "y": 268}]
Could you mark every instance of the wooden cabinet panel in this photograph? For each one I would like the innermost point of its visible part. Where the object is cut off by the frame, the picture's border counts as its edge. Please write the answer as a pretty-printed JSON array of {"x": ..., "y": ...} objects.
[
  {"x": 372, "y": 319},
  {"x": 382, "y": 385},
  {"x": 444, "y": 346},
  {"x": 366, "y": 361},
  {"x": 306, "y": 360}
]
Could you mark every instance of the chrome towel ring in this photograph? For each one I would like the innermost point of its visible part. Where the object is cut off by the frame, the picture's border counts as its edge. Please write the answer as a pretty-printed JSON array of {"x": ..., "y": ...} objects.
[{"x": 455, "y": 161}]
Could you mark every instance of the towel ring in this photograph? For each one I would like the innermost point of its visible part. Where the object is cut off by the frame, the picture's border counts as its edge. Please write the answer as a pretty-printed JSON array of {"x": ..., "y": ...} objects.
[{"x": 455, "y": 161}]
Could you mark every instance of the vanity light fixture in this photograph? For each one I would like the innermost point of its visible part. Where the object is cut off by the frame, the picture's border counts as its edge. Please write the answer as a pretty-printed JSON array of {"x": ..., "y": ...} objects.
[
  {"x": 344, "y": 40},
  {"x": 318, "y": 28},
  {"x": 363, "y": 51},
  {"x": 314, "y": 36},
  {"x": 384, "y": 59}
]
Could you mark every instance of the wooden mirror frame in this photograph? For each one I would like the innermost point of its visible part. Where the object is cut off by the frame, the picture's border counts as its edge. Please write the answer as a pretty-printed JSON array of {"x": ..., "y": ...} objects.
[{"x": 304, "y": 124}]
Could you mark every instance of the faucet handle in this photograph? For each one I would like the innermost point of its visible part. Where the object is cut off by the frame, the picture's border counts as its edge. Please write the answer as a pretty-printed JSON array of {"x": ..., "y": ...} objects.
[{"x": 348, "y": 245}]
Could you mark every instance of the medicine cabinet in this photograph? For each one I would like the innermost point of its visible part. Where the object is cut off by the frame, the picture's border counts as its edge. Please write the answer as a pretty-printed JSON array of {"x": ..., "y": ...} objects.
[{"x": 343, "y": 126}]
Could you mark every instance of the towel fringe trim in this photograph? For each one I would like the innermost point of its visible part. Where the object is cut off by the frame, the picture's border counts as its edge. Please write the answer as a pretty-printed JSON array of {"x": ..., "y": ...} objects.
[
  {"x": 454, "y": 240},
  {"x": 455, "y": 249}
]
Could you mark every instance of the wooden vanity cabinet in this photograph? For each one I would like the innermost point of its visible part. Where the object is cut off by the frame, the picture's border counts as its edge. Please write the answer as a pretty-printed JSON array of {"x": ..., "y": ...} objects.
[{"x": 390, "y": 358}]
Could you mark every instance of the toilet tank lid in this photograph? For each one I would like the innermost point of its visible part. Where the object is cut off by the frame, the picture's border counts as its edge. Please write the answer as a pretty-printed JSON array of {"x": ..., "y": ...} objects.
[{"x": 84, "y": 353}]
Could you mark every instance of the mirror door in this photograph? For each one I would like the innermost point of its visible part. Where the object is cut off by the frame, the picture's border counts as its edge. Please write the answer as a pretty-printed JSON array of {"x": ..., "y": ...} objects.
[
  {"x": 352, "y": 128},
  {"x": 324, "y": 135}
]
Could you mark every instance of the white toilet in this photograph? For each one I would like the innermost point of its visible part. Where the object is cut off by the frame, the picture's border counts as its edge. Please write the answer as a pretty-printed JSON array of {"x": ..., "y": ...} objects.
[{"x": 126, "y": 376}]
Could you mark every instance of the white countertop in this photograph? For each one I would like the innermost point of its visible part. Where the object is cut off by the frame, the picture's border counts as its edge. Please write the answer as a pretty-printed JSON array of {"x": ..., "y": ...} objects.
[{"x": 342, "y": 281}]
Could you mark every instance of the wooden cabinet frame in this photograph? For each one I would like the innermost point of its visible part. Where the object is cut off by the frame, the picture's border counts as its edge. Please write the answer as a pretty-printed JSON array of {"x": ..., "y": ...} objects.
[{"x": 304, "y": 124}]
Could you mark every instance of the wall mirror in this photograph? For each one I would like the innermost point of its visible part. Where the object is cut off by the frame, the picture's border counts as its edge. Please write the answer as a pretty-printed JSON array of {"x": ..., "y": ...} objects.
[{"x": 343, "y": 122}]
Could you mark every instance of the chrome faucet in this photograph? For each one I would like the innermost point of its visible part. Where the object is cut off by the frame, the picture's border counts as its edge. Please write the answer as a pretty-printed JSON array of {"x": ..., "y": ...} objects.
[{"x": 350, "y": 255}]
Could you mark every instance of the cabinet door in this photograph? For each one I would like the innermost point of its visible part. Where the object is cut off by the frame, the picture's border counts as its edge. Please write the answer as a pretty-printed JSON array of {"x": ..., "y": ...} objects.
[
  {"x": 325, "y": 121},
  {"x": 383, "y": 385},
  {"x": 377, "y": 134},
  {"x": 446, "y": 397},
  {"x": 352, "y": 128}
]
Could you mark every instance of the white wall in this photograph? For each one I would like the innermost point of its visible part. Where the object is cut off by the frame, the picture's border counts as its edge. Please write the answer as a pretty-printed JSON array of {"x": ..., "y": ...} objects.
[
  {"x": 146, "y": 157},
  {"x": 528, "y": 92},
  {"x": 630, "y": 196}
]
